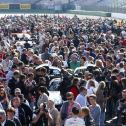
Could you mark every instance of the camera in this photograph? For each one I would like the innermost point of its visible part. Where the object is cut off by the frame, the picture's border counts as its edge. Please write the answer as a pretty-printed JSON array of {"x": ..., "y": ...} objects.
[{"x": 45, "y": 108}]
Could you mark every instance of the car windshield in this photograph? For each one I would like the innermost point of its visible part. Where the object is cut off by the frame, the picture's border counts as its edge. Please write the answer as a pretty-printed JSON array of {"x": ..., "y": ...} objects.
[
  {"x": 54, "y": 86},
  {"x": 54, "y": 72}
]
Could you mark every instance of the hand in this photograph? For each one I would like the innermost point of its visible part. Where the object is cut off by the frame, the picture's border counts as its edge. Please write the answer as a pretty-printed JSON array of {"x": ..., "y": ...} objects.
[{"x": 41, "y": 112}]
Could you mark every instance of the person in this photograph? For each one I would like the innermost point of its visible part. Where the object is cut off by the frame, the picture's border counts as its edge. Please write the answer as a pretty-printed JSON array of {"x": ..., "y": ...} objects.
[
  {"x": 43, "y": 97},
  {"x": 101, "y": 100},
  {"x": 81, "y": 97},
  {"x": 10, "y": 115},
  {"x": 66, "y": 108},
  {"x": 19, "y": 112},
  {"x": 13, "y": 82},
  {"x": 42, "y": 116},
  {"x": 54, "y": 113},
  {"x": 121, "y": 109},
  {"x": 75, "y": 120},
  {"x": 74, "y": 88},
  {"x": 27, "y": 109},
  {"x": 86, "y": 115},
  {"x": 4, "y": 121},
  {"x": 4, "y": 100},
  {"x": 95, "y": 109}
]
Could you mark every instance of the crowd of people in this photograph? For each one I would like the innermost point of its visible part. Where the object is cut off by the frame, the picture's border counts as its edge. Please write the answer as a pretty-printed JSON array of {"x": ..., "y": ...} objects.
[{"x": 95, "y": 96}]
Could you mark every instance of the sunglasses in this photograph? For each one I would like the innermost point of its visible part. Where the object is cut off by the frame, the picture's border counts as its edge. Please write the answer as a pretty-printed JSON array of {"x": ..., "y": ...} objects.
[{"x": 69, "y": 98}]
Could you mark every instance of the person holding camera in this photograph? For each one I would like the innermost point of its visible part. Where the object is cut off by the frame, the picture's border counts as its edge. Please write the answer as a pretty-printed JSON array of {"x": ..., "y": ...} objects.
[
  {"x": 121, "y": 109},
  {"x": 42, "y": 116}
]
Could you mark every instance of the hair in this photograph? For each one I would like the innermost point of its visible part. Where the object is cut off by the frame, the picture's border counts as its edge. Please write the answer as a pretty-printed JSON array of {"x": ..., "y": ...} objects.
[
  {"x": 22, "y": 76},
  {"x": 93, "y": 96},
  {"x": 101, "y": 86},
  {"x": 124, "y": 91},
  {"x": 69, "y": 94},
  {"x": 75, "y": 80},
  {"x": 75, "y": 110},
  {"x": 11, "y": 109},
  {"x": 92, "y": 83},
  {"x": 42, "y": 89},
  {"x": 82, "y": 88},
  {"x": 43, "y": 69},
  {"x": 85, "y": 110}
]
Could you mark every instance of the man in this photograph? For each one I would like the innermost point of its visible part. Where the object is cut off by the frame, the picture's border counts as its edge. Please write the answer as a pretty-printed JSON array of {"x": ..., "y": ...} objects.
[
  {"x": 13, "y": 82},
  {"x": 75, "y": 120},
  {"x": 10, "y": 115},
  {"x": 81, "y": 97},
  {"x": 95, "y": 109},
  {"x": 19, "y": 112},
  {"x": 74, "y": 63},
  {"x": 66, "y": 109},
  {"x": 27, "y": 109},
  {"x": 46, "y": 55},
  {"x": 54, "y": 113},
  {"x": 121, "y": 109},
  {"x": 4, "y": 121}
]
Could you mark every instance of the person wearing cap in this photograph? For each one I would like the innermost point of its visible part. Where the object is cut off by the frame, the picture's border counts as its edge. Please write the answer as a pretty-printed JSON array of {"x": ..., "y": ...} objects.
[
  {"x": 66, "y": 108},
  {"x": 4, "y": 121},
  {"x": 54, "y": 113},
  {"x": 75, "y": 120}
]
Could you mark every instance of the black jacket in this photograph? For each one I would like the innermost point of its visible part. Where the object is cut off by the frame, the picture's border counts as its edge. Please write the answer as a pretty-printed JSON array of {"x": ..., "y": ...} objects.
[
  {"x": 22, "y": 117},
  {"x": 17, "y": 122},
  {"x": 9, "y": 123},
  {"x": 89, "y": 121},
  {"x": 12, "y": 85},
  {"x": 28, "y": 112}
]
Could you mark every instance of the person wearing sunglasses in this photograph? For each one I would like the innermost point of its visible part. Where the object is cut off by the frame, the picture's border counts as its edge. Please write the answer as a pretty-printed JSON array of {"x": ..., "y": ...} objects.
[{"x": 66, "y": 109}]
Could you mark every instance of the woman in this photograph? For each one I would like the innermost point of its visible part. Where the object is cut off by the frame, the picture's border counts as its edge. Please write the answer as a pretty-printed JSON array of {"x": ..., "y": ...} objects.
[
  {"x": 43, "y": 97},
  {"x": 101, "y": 100},
  {"x": 85, "y": 113},
  {"x": 75, "y": 87},
  {"x": 4, "y": 99},
  {"x": 91, "y": 89}
]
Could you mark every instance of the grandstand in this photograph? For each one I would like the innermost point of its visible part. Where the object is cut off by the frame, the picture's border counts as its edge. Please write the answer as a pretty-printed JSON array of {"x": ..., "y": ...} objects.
[{"x": 17, "y": 1}]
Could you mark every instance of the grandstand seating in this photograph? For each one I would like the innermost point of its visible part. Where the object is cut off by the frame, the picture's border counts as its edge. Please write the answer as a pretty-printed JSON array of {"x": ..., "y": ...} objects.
[{"x": 17, "y": 1}]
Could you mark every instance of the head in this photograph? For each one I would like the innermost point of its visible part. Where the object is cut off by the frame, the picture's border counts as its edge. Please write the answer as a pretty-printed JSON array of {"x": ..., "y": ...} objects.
[
  {"x": 42, "y": 89},
  {"x": 75, "y": 111},
  {"x": 10, "y": 113},
  {"x": 124, "y": 94},
  {"x": 17, "y": 92},
  {"x": 51, "y": 103},
  {"x": 83, "y": 90},
  {"x": 2, "y": 115},
  {"x": 22, "y": 77},
  {"x": 70, "y": 97},
  {"x": 16, "y": 102},
  {"x": 92, "y": 99},
  {"x": 75, "y": 81},
  {"x": 16, "y": 74},
  {"x": 85, "y": 111}
]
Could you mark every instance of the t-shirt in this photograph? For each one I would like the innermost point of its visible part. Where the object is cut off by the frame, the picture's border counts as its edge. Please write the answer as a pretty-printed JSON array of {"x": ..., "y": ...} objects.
[{"x": 74, "y": 121}]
